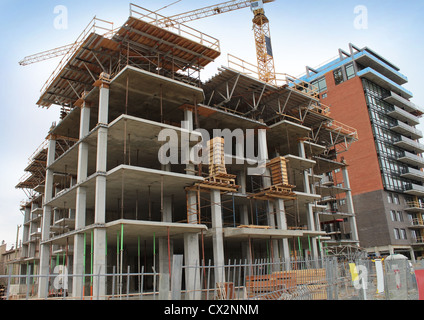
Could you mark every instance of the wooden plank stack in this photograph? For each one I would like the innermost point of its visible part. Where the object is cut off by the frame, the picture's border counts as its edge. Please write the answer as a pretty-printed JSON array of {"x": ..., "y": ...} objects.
[
  {"x": 280, "y": 188},
  {"x": 288, "y": 283}
]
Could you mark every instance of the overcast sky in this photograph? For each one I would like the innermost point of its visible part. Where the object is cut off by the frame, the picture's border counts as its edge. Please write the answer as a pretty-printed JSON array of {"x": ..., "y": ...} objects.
[{"x": 303, "y": 33}]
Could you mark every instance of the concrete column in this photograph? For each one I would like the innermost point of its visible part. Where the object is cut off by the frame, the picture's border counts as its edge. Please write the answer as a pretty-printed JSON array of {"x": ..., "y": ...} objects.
[
  {"x": 217, "y": 235},
  {"x": 349, "y": 202},
  {"x": 164, "y": 258},
  {"x": 280, "y": 215},
  {"x": 81, "y": 201},
  {"x": 192, "y": 209},
  {"x": 412, "y": 253},
  {"x": 310, "y": 217},
  {"x": 244, "y": 214},
  {"x": 192, "y": 263},
  {"x": 100, "y": 263},
  {"x": 45, "y": 228},
  {"x": 188, "y": 119}
]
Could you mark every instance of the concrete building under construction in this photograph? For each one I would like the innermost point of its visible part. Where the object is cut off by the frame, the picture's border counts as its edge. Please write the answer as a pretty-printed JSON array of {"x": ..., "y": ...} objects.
[{"x": 103, "y": 200}]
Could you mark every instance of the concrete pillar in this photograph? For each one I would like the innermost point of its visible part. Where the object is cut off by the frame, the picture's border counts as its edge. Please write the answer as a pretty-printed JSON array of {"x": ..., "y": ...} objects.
[
  {"x": 165, "y": 255},
  {"x": 45, "y": 228},
  {"x": 280, "y": 215},
  {"x": 350, "y": 208},
  {"x": 81, "y": 201},
  {"x": 244, "y": 214},
  {"x": 188, "y": 119},
  {"x": 192, "y": 263},
  {"x": 310, "y": 217},
  {"x": 100, "y": 263},
  {"x": 412, "y": 253},
  {"x": 217, "y": 235}
]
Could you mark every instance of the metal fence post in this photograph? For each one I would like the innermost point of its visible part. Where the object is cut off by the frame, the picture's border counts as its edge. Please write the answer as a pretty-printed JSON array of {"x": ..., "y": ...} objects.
[
  {"x": 27, "y": 282},
  {"x": 8, "y": 283},
  {"x": 113, "y": 283}
]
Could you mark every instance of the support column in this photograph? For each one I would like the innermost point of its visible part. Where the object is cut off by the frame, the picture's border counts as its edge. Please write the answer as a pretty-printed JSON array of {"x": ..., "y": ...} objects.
[
  {"x": 217, "y": 236},
  {"x": 191, "y": 255},
  {"x": 165, "y": 253},
  {"x": 282, "y": 225},
  {"x": 43, "y": 284},
  {"x": 350, "y": 208},
  {"x": 191, "y": 261},
  {"x": 309, "y": 207},
  {"x": 100, "y": 263},
  {"x": 81, "y": 201},
  {"x": 412, "y": 253}
]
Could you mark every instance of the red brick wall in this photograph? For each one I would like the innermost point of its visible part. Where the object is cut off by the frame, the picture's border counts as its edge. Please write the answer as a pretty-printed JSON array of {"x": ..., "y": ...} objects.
[{"x": 348, "y": 105}]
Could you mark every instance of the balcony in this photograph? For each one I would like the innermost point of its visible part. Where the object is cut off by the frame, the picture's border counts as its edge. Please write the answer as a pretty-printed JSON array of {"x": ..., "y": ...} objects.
[
  {"x": 418, "y": 240},
  {"x": 384, "y": 82},
  {"x": 414, "y": 189},
  {"x": 414, "y": 206},
  {"x": 400, "y": 101},
  {"x": 416, "y": 223},
  {"x": 404, "y": 116},
  {"x": 407, "y": 130},
  {"x": 367, "y": 59},
  {"x": 414, "y": 174},
  {"x": 410, "y": 145},
  {"x": 412, "y": 159}
]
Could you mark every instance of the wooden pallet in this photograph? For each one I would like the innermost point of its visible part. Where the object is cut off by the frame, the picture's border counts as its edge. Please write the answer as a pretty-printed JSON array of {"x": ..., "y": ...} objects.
[{"x": 273, "y": 192}]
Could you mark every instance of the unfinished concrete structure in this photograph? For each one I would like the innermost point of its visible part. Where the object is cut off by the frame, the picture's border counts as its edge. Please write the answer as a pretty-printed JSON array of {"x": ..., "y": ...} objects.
[{"x": 101, "y": 200}]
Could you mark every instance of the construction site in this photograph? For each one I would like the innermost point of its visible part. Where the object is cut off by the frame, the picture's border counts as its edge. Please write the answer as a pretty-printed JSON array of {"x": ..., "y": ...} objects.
[{"x": 119, "y": 204}]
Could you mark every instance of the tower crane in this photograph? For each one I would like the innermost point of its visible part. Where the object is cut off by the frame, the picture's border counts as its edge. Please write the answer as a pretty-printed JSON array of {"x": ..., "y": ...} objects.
[{"x": 265, "y": 60}]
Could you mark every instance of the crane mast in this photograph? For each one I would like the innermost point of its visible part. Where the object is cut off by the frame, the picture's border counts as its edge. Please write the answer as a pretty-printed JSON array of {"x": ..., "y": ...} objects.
[{"x": 265, "y": 59}]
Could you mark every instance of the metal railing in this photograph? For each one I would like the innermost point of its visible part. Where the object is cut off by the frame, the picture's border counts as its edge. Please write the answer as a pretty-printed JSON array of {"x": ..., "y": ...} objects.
[
  {"x": 106, "y": 29},
  {"x": 176, "y": 27},
  {"x": 261, "y": 279}
]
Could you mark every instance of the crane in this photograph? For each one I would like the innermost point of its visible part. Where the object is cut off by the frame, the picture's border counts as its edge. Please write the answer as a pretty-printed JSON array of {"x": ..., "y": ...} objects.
[{"x": 265, "y": 60}]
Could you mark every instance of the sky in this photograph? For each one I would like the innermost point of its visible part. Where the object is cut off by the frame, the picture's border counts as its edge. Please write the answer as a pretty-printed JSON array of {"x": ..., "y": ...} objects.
[{"x": 307, "y": 32}]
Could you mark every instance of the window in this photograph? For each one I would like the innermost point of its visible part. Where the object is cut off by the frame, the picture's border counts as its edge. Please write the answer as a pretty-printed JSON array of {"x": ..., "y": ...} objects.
[
  {"x": 350, "y": 71},
  {"x": 393, "y": 215},
  {"x": 399, "y": 216},
  {"x": 396, "y": 232},
  {"x": 338, "y": 76},
  {"x": 321, "y": 84},
  {"x": 324, "y": 95},
  {"x": 389, "y": 198},
  {"x": 342, "y": 202},
  {"x": 396, "y": 199},
  {"x": 403, "y": 234}
]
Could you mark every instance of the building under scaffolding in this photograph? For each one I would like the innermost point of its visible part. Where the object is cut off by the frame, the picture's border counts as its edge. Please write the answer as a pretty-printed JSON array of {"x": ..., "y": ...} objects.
[{"x": 100, "y": 200}]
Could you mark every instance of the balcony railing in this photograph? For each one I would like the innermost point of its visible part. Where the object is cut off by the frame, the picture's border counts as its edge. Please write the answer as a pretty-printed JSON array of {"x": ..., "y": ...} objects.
[
  {"x": 403, "y": 115},
  {"x": 418, "y": 240},
  {"x": 406, "y": 130},
  {"x": 409, "y": 144},
  {"x": 397, "y": 100},
  {"x": 414, "y": 189},
  {"x": 417, "y": 222},
  {"x": 414, "y": 206},
  {"x": 411, "y": 159},
  {"x": 414, "y": 174}
]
